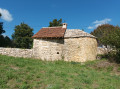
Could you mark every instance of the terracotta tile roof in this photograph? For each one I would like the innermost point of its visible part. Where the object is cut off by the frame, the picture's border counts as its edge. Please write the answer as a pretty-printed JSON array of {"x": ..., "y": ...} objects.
[{"x": 50, "y": 32}]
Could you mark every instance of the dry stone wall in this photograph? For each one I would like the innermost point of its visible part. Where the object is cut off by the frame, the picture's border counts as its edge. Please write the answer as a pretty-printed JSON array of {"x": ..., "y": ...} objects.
[
  {"x": 101, "y": 50},
  {"x": 80, "y": 49},
  {"x": 16, "y": 52},
  {"x": 48, "y": 49},
  {"x": 72, "y": 49}
]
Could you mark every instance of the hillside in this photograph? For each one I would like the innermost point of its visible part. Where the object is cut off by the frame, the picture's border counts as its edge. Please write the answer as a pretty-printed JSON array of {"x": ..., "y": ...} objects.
[{"x": 20, "y": 73}]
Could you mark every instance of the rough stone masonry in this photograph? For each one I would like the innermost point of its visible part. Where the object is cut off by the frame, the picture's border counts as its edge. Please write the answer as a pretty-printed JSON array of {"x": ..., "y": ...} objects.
[
  {"x": 59, "y": 43},
  {"x": 28, "y": 53},
  {"x": 56, "y": 43}
]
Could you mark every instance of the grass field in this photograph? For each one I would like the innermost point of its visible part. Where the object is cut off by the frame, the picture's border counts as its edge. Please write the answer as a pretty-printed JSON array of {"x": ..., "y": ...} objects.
[{"x": 20, "y": 73}]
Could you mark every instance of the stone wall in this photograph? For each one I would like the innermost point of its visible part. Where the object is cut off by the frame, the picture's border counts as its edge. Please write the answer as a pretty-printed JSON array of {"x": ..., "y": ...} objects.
[
  {"x": 80, "y": 49},
  {"x": 72, "y": 49},
  {"x": 102, "y": 50},
  {"x": 16, "y": 52},
  {"x": 48, "y": 49}
]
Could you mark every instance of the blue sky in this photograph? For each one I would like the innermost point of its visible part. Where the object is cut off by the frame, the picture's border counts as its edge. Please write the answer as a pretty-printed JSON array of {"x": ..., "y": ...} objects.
[{"x": 78, "y": 14}]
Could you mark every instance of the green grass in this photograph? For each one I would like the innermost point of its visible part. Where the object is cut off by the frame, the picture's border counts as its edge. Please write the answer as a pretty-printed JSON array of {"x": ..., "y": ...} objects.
[{"x": 20, "y": 73}]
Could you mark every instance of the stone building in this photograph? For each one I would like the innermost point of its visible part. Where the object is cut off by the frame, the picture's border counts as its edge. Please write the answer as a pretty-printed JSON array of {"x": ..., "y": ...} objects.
[{"x": 60, "y": 43}]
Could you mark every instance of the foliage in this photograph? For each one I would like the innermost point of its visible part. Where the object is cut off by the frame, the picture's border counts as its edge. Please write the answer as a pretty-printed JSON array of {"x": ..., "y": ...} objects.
[
  {"x": 20, "y": 73},
  {"x": 55, "y": 22},
  {"x": 112, "y": 37},
  {"x": 8, "y": 42},
  {"x": 22, "y": 37},
  {"x": 1, "y": 28},
  {"x": 1, "y": 40},
  {"x": 109, "y": 35},
  {"x": 113, "y": 40},
  {"x": 101, "y": 32},
  {"x": 4, "y": 41},
  {"x": 1, "y": 36}
]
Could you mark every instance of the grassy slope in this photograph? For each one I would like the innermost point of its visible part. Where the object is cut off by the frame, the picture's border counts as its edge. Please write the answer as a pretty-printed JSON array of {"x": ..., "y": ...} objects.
[{"x": 20, "y": 73}]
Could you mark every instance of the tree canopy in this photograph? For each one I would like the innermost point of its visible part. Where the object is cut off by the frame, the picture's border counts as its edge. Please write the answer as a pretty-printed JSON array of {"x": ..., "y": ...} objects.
[
  {"x": 22, "y": 37},
  {"x": 1, "y": 26},
  {"x": 109, "y": 35},
  {"x": 55, "y": 22},
  {"x": 112, "y": 38},
  {"x": 101, "y": 31},
  {"x": 3, "y": 41}
]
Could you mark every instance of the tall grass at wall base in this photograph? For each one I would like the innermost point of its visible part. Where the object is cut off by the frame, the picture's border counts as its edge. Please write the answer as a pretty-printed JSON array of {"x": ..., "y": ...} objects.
[{"x": 112, "y": 56}]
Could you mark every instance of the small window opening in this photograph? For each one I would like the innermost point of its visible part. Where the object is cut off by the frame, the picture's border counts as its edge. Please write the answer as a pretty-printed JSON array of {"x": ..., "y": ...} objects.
[{"x": 57, "y": 52}]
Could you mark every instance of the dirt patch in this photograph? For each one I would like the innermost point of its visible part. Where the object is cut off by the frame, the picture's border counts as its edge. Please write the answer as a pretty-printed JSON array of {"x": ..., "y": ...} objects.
[
  {"x": 95, "y": 85},
  {"x": 12, "y": 83},
  {"x": 104, "y": 64},
  {"x": 14, "y": 67},
  {"x": 114, "y": 68}
]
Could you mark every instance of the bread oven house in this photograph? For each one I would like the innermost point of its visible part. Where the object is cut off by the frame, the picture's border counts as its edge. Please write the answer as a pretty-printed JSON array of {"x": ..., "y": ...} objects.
[{"x": 60, "y": 43}]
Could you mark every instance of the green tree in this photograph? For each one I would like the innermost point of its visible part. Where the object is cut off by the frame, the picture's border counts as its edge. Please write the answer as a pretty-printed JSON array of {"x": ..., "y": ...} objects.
[
  {"x": 7, "y": 42},
  {"x": 109, "y": 35},
  {"x": 55, "y": 22},
  {"x": 100, "y": 32},
  {"x": 1, "y": 41},
  {"x": 112, "y": 38},
  {"x": 1, "y": 26},
  {"x": 1, "y": 32},
  {"x": 22, "y": 37}
]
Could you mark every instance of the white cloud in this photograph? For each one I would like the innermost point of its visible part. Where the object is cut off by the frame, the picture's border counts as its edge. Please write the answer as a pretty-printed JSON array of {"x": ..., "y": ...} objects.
[
  {"x": 90, "y": 27},
  {"x": 6, "y": 15},
  {"x": 98, "y": 23},
  {"x": 102, "y": 21}
]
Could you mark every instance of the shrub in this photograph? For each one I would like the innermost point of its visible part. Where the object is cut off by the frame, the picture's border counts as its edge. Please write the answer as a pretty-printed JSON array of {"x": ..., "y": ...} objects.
[{"x": 109, "y": 35}]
